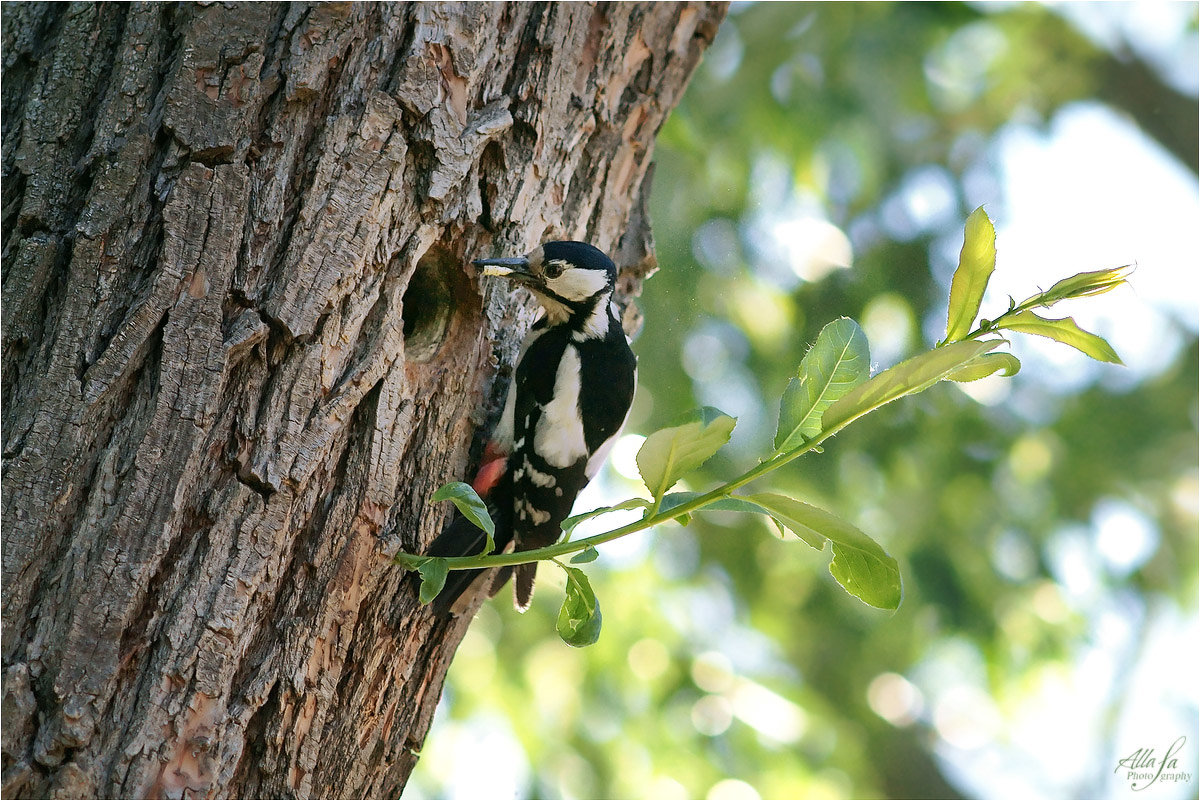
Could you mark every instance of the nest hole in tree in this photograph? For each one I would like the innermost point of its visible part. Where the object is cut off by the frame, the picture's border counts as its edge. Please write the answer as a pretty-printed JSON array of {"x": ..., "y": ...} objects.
[{"x": 428, "y": 306}]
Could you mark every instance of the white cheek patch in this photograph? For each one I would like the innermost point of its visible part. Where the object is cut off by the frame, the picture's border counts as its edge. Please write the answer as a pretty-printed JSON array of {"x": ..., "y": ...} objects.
[
  {"x": 578, "y": 283},
  {"x": 559, "y": 435}
]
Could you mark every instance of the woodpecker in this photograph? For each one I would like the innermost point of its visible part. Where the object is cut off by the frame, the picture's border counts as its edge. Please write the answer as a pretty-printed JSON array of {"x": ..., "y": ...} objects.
[{"x": 568, "y": 400}]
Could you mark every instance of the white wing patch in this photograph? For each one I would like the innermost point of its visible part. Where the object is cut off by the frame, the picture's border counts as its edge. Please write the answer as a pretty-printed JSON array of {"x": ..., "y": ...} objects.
[
  {"x": 526, "y": 511},
  {"x": 538, "y": 478},
  {"x": 559, "y": 434}
]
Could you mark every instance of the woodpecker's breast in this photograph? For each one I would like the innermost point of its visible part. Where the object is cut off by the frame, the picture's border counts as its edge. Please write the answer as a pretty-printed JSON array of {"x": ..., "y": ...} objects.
[
  {"x": 571, "y": 395},
  {"x": 558, "y": 436}
]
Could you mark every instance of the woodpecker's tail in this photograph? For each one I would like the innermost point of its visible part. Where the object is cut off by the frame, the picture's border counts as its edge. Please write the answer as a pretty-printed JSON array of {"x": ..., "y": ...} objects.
[{"x": 523, "y": 585}]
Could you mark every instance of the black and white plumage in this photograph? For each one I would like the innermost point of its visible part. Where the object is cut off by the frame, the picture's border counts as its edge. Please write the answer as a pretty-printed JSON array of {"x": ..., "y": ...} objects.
[{"x": 566, "y": 405}]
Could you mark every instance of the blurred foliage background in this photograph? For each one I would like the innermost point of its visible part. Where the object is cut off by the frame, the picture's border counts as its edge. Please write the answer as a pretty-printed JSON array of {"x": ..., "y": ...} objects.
[{"x": 822, "y": 164}]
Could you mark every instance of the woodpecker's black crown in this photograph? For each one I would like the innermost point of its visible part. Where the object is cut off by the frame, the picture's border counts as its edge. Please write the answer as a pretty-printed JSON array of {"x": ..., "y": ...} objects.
[{"x": 579, "y": 254}]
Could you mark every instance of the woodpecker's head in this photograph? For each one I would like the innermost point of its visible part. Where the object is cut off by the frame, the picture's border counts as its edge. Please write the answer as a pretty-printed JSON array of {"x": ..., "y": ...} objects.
[{"x": 572, "y": 280}]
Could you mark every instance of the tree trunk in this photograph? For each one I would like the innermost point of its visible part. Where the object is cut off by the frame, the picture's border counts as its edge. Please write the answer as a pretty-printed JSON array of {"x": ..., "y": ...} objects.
[{"x": 242, "y": 347}]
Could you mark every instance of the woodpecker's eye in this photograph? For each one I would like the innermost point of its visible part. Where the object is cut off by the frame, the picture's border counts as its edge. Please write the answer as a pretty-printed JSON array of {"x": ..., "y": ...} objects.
[{"x": 555, "y": 268}]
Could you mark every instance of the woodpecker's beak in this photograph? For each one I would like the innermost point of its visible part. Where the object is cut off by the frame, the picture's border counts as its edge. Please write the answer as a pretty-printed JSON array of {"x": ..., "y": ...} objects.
[{"x": 515, "y": 269}]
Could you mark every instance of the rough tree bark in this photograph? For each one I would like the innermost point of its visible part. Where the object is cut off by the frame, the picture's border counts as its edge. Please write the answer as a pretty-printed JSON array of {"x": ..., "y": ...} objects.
[{"x": 241, "y": 348}]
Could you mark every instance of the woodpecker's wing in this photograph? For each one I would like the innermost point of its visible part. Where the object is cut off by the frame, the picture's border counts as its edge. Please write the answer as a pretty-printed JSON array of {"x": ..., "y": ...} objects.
[{"x": 608, "y": 366}]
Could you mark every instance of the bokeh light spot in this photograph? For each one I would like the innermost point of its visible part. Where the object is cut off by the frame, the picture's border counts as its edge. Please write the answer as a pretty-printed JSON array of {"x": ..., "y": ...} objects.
[
  {"x": 1048, "y": 604},
  {"x": 957, "y": 71},
  {"x": 705, "y": 355},
  {"x": 667, "y": 788},
  {"x": 1031, "y": 458},
  {"x": 648, "y": 659},
  {"x": 813, "y": 248},
  {"x": 623, "y": 457},
  {"x": 895, "y": 699},
  {"x": 888, "y": 323},
  {"x": 768, "y": 713},
  {"x": 732, "y": 789},
  {"x": 1125, "y": 537},
  {"x": 1185, "y": 496},
  {"x": 715, "y": 246},
  {"x": 1074, "y": 561},
  {"x": 712, "y": 671},
  {"x": 1013, "y": 556},
  {"x": 966, "y": 717},
  {"x": 712, "y": 715},
  {"x": 764, "y": 314}
]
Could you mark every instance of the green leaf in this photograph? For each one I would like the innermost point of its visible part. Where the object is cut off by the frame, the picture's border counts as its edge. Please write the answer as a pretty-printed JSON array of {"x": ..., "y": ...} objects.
[
  {"x": 1082, "y": 285},
  {"x": 837, "y": 363},
  {"x": 1065, "y": 331},
  {"x": 807, "y": 537},
  {"x": 975, "y": 265},
  {"x": 985, "y": 365},
  {"x": 433, "y": 578},
  {"x": 669, "y": 454},
  {"x": 472, "y": 507},
  {"x": 588, "y": 554},
  {"x": 570, "y": 523},
  {"x": 579, "y": 617},
  {"x": 859, "y": 564},
  {"x": 873, "y": 581},
  {"x": 702, "y": 414},
  {"x": 780, "y": 508},
  {"x": 907, "y": 378}
]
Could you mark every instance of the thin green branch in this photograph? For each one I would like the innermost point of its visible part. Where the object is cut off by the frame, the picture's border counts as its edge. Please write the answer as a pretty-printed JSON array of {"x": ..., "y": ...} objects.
[
  {"x": 992, "y": 326},
  {"x": 652, "y": 518}
]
